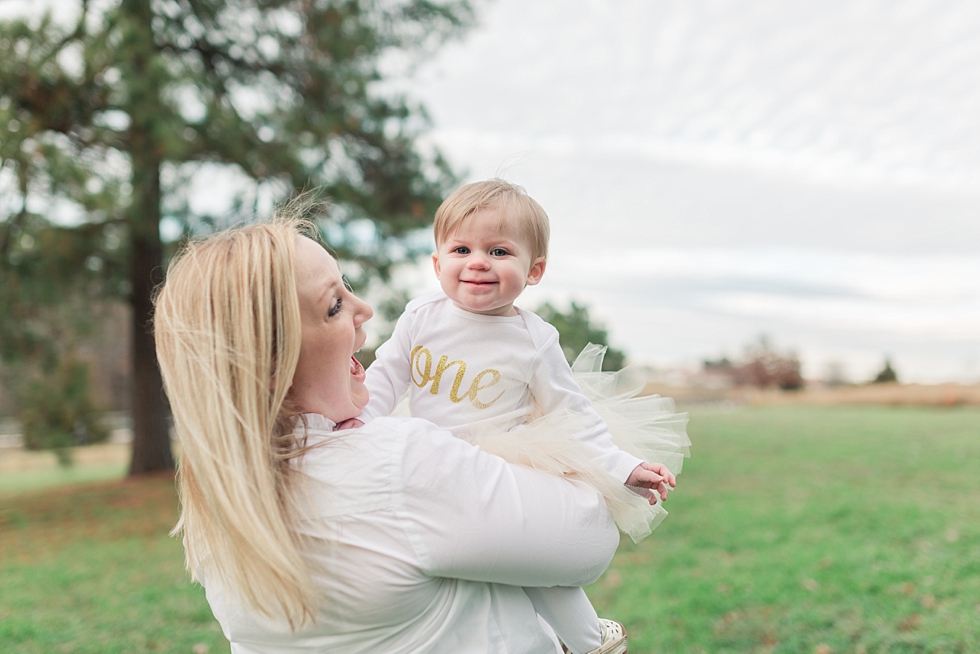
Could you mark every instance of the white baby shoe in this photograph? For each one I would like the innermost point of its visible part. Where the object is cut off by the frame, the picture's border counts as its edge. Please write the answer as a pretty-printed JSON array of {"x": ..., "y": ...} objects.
[{"x": 613, "y": 638}]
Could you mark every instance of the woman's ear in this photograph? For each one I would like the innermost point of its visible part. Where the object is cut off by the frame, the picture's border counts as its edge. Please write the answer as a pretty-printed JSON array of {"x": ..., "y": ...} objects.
[{"x": 536, "y": 272}]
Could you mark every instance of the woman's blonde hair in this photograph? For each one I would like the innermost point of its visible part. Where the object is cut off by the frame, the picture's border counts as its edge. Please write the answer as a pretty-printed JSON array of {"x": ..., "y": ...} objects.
[
  {"x": 511, "y": 200},
  {"x": 227, "y": 329}
]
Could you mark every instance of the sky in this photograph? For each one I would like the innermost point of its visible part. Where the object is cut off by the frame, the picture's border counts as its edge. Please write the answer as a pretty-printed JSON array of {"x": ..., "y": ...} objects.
[
  {"x": 715, "y": 171},
  {"x": 718, "y": 170}
]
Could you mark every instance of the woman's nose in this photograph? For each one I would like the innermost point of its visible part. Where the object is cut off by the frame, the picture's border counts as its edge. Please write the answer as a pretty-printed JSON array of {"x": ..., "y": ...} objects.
[{"x": 363, "y": 311}]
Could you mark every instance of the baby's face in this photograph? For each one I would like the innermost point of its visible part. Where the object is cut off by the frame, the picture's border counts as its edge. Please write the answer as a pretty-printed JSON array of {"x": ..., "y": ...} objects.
[{"x": 484, "y": 264}]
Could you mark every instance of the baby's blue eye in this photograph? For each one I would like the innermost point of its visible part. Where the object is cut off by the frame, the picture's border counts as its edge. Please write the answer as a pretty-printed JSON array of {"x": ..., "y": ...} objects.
[
  {"x": 498, "y": 252},
  {"x": 462, "y": 250}
]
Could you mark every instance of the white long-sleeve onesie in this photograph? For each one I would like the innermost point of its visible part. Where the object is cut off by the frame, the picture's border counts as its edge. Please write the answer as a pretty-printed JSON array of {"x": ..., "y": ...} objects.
[{"x": 465, "y": 370}]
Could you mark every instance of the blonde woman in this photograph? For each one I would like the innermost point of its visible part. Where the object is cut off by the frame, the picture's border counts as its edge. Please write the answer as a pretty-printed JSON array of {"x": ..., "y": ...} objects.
[{"x": 395, "y": 537}]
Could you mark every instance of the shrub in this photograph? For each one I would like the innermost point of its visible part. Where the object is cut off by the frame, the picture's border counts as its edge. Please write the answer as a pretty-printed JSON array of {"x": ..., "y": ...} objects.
[{"x": 58, "y": 411}]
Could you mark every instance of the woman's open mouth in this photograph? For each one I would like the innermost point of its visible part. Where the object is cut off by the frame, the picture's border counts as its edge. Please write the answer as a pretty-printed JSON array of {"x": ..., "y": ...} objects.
[{"x": 356, "y": 369}]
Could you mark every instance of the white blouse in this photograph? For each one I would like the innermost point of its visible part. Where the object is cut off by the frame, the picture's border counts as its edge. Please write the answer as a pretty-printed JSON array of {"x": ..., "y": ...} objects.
[{"x": 423, "y": 542}]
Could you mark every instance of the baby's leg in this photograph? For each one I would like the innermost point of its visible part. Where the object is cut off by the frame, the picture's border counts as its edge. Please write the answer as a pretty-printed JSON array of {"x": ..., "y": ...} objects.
[{"x": 570, "y": 614}]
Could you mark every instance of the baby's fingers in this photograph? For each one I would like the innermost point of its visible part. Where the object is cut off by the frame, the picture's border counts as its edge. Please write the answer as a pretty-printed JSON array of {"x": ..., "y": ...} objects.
[
  {"x": 662, "y": 470},
  {"x": 647, "y": 494},
  {"x": 658, "y": 493},
  {"x": 645, "y": 478}
]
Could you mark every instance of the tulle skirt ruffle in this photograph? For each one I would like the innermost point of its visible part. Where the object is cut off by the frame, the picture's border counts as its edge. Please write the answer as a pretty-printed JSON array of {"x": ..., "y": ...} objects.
[{"x": 644, "y": 426}]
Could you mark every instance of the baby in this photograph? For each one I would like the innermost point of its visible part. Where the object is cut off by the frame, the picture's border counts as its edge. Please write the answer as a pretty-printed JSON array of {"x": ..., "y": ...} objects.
[{"x": 478, "y": 365}]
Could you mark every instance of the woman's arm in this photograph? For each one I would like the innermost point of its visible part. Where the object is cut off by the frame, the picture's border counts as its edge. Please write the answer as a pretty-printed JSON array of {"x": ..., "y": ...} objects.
[{"x": 471, "y": 515}]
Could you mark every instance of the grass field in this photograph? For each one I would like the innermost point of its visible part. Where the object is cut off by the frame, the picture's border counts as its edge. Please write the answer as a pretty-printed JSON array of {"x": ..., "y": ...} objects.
[
  {"x": 794, "y": 529},
  {"x": 90, "y": 569},
  {"x": 808, "y": 529},
  {"x": 22, "y": 471}
]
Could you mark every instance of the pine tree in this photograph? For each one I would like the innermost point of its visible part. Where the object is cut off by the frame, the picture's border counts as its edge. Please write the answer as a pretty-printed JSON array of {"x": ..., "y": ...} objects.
[
  {"x": 887, "y": 374},
  {"x": 576, "y": 330},
  {"x": 105, "y": 120}
]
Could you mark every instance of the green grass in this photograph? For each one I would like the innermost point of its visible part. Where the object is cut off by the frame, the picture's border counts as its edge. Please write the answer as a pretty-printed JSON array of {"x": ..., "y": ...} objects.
[
  {"x": 807, "y": 529},
  {"x": 794, "y": 529},
  {"x": 92, "y": 569},
  {"x": 32, "y": 480}
]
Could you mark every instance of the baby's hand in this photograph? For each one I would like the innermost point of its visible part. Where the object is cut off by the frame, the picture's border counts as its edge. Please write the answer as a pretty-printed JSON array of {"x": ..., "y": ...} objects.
[
  {"x": 350, "y": 423},
  {"x": 654, "y": 476}
]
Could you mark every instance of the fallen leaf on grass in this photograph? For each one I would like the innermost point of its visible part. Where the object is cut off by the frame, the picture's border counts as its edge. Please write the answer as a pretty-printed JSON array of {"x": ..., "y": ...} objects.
[{"x": 910, "y": 623}]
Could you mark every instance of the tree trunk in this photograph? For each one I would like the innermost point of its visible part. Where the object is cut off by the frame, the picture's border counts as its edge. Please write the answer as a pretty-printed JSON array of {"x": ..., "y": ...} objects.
[{"x": 151, "y": 438}]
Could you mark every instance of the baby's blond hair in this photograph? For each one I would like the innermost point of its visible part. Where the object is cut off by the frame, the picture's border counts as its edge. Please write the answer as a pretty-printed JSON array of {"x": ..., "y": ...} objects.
[{"x": 512, "y": 202}]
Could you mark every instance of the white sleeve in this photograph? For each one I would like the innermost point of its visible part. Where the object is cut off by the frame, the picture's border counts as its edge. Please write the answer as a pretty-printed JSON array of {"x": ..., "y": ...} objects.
[
  {"x": 554, "y": 388},
  {"x": 388, "y": 377},
  {"x": 471, "y": 515}
]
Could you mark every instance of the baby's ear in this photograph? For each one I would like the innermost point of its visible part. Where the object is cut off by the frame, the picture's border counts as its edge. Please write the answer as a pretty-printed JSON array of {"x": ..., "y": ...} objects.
[
  {"x": 435, "y": 263},
  {"x": 536, "y": 272}
]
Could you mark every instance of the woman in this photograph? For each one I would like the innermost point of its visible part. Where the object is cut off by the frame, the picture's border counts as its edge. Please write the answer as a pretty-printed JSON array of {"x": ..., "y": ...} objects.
[{"x": 395, "y": 537}]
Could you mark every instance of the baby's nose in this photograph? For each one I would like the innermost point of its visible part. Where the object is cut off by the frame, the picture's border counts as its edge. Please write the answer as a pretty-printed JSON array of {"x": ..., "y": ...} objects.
[{"x": 479, "y": 261}]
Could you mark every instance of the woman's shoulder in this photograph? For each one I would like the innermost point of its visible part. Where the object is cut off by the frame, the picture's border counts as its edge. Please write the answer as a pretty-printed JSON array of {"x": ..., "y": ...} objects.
[
  {"x": 385, "y": 434},
  {"x": 374, "y": 466},
  {"x": 419, "y": 447},
  {"x": 354, "y": 471},
  {"x": 411, "y": 438},
  {"x": 396, "y": 428}
]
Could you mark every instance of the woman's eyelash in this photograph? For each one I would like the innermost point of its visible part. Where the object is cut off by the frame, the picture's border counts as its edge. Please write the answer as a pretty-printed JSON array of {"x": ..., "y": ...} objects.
[{"x": 335, "y": 309}]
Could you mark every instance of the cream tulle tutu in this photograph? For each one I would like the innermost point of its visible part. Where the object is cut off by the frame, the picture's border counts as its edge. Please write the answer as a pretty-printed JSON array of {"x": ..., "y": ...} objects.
[{"x": 644, "y": 426}]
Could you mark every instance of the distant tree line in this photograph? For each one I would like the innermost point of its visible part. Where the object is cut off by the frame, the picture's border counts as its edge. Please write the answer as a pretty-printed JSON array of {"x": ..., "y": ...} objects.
[{"x": 762, "y": 366}]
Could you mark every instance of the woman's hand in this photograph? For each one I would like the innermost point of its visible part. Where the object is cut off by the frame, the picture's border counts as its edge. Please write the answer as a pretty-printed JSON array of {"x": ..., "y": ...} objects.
[{"x": 652, "y": 476}]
